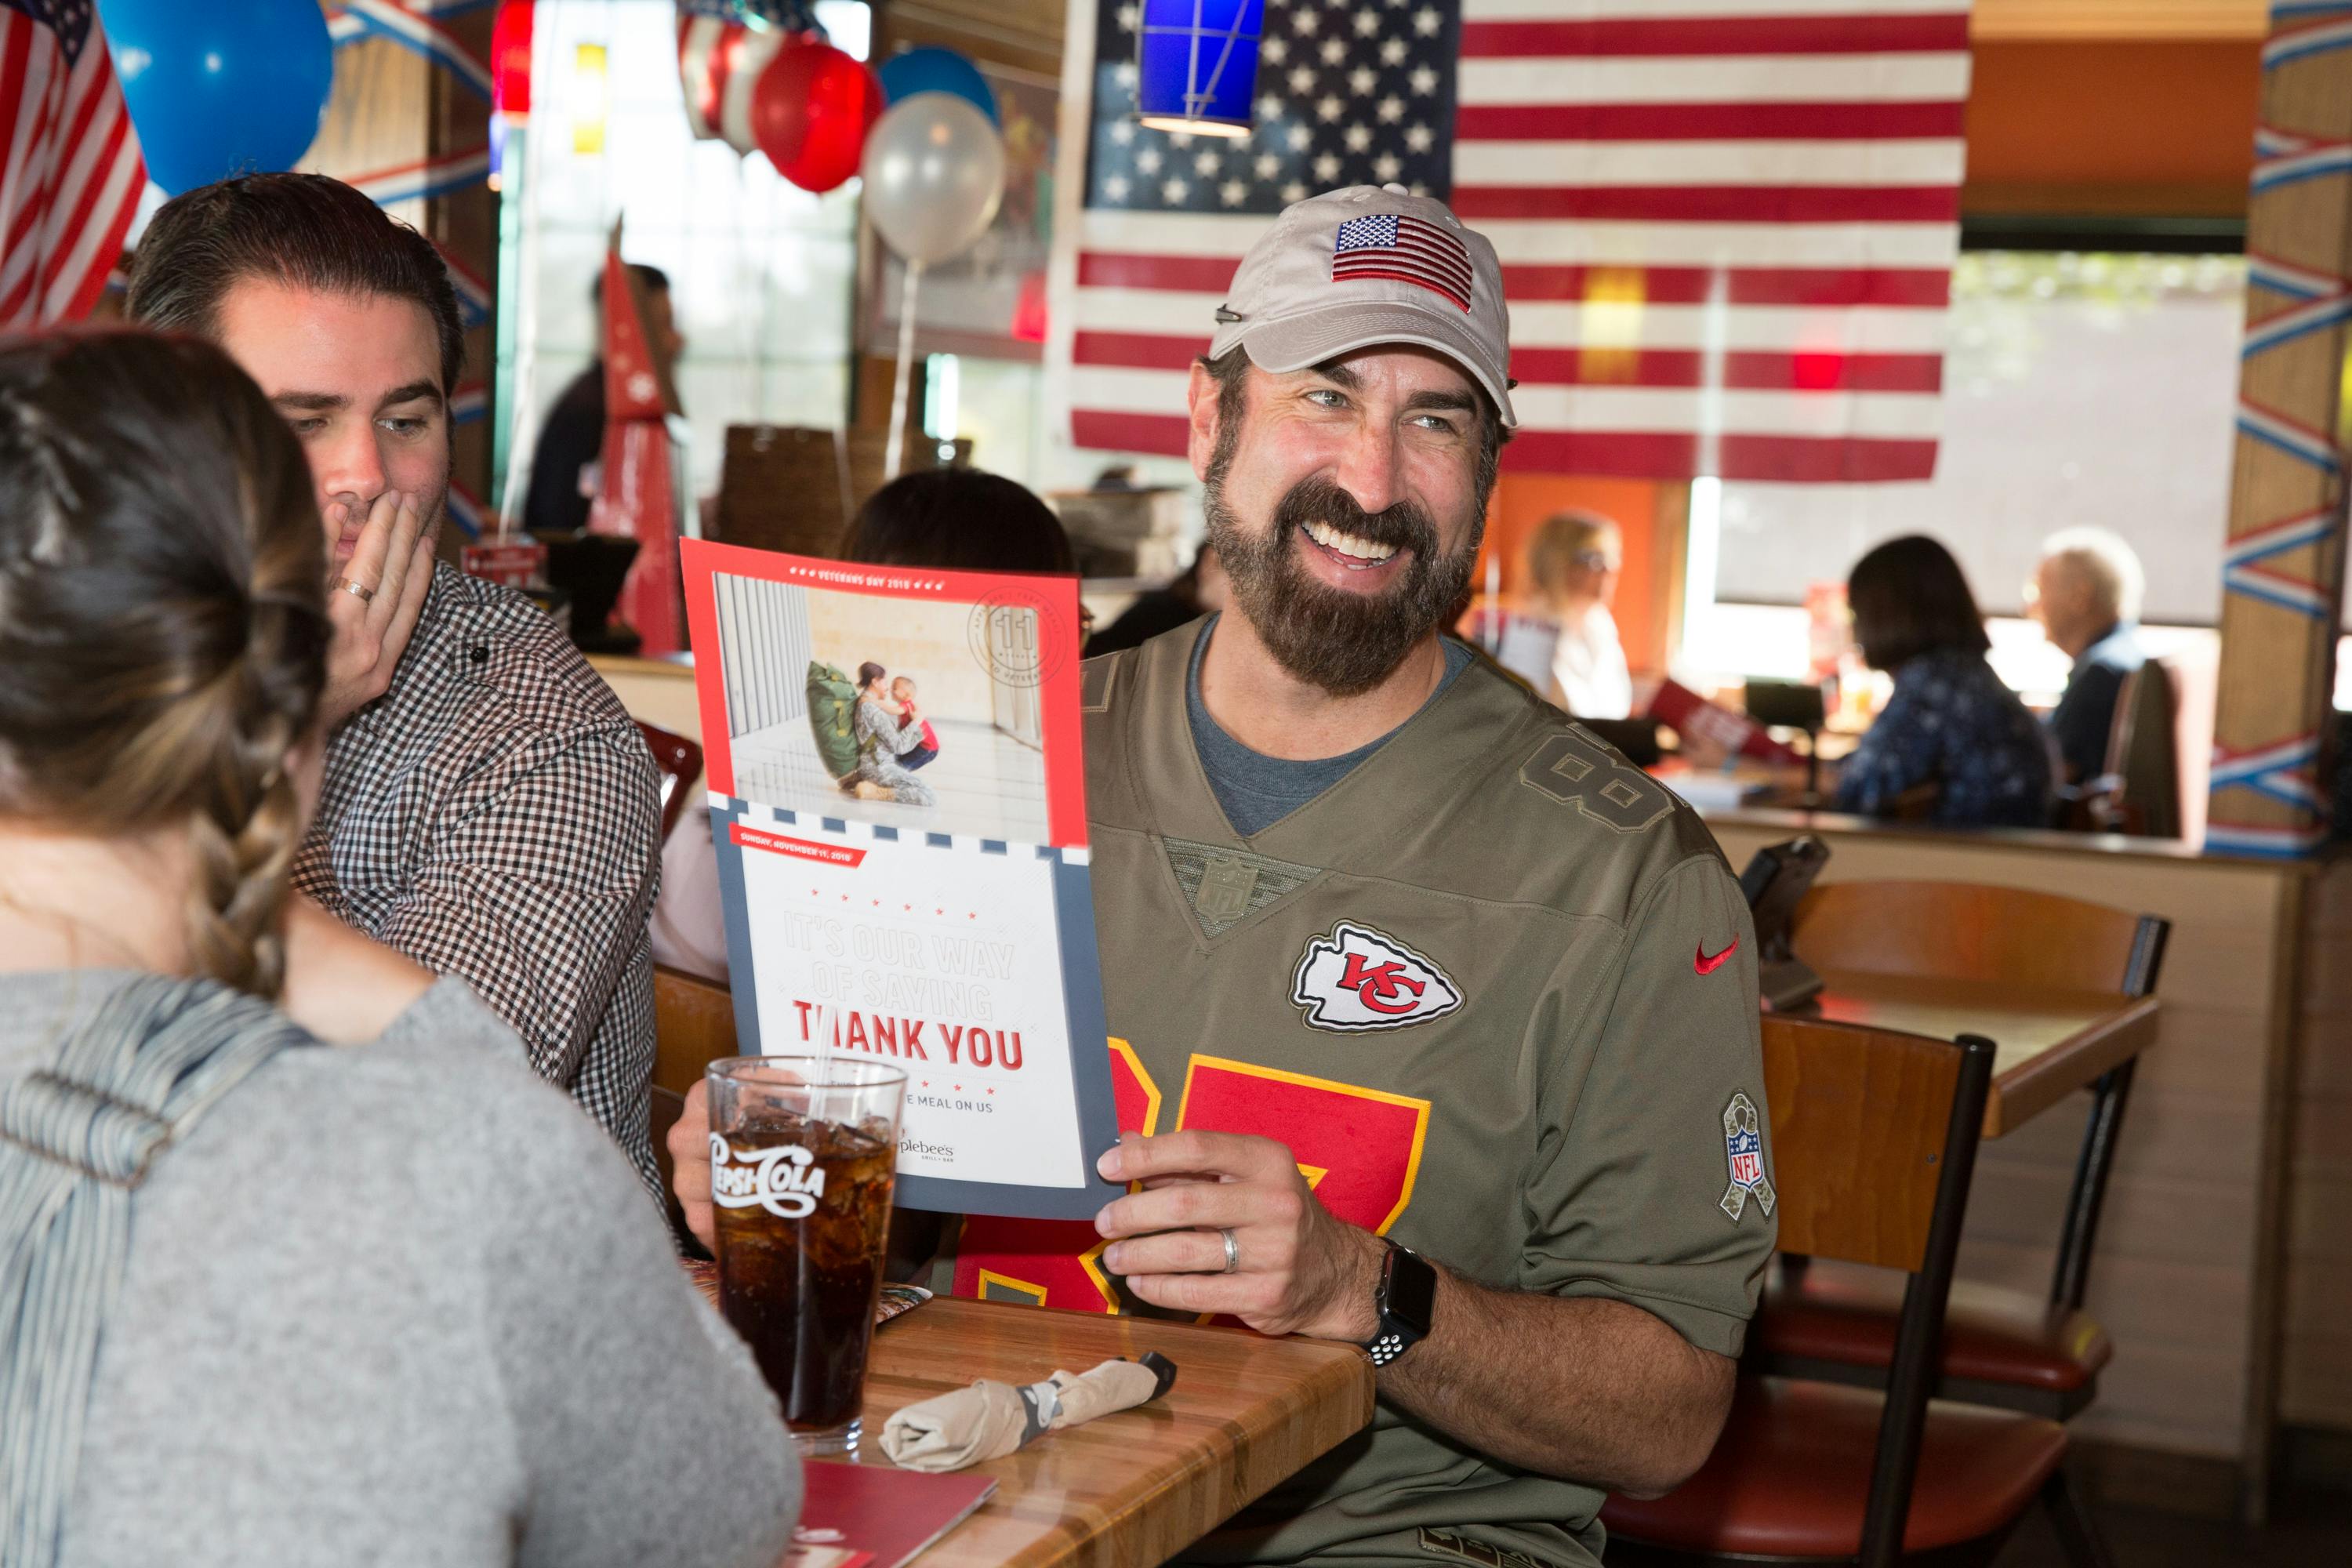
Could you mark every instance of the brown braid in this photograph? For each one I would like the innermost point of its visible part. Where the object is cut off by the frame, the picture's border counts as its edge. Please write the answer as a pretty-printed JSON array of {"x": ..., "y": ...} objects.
[{"x": 162, "y": 618}]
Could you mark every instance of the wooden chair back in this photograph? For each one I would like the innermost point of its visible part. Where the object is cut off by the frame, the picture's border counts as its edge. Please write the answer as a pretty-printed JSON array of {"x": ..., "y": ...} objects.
[
  {"x": 1874, "y": 1139},
  {"x": 679, "y": 762},
  {"x": 1861, "y": 1119},
  {"x": 694, "y": 1025},
  {"x": 2138, "y": 789},
  {"x": 2143, "y": 753},
  {"x": 1966, "y": 930}
]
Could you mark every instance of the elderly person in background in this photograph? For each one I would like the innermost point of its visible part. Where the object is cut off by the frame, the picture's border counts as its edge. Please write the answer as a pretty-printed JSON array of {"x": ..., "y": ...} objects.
[
  {"x": 2086, "y": 595},
  {"x": 1953, "y": 741},
  {"x": 1575, "y": 558}
]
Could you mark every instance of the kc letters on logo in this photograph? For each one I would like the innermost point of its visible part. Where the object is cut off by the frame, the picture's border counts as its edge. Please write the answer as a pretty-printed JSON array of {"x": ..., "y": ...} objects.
[
  {"x": 1358, "y": 979},
  {"x": 783, "y": 1179},
  {"x": 1743, "y": 1147}
]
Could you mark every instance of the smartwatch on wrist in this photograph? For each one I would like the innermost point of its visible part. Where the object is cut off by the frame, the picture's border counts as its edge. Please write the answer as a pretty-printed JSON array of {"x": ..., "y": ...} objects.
[{"x": 1406, "y": 1297}]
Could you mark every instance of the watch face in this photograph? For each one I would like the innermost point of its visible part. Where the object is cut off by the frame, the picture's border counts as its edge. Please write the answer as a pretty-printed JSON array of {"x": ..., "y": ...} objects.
[{"x": 1412, "y": 1290}]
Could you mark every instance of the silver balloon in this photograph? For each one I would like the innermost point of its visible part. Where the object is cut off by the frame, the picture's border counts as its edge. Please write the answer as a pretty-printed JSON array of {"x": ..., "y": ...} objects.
[{"x": 934, "y": 171}]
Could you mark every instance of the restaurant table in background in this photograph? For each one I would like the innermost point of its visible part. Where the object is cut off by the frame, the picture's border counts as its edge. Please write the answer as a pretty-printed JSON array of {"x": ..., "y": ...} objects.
[
  {"x": 2048, "y": 1042},
  {"x": 1133, "y": 1488}
]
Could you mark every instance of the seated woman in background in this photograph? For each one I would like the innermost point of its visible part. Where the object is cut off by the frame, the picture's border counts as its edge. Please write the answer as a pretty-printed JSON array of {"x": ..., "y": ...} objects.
[
  {"x": 268, "y": 1298},
  {"x": 1561, "y": 641},
  {"x": 1574, "y": 559},
  {"x": 1953, "y": 745}
]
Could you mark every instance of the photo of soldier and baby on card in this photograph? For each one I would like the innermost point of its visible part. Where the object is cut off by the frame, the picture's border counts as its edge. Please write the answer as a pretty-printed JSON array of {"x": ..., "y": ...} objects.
[{"x": 925, "y": 716}]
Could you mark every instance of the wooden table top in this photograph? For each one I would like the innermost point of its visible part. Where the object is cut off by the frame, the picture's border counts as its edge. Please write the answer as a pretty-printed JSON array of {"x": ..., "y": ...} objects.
[
  {"x": 2049, "y": 1043},
  {"x": 1131, "y": 1490}
]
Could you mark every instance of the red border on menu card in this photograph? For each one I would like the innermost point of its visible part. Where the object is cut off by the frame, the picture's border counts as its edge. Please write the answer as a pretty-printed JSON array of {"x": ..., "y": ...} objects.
[{"x": 1055, "y": 598}]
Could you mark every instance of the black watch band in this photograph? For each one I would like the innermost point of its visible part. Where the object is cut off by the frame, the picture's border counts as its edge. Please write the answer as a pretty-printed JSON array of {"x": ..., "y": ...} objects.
[{"x": 1405, "y": 1300}]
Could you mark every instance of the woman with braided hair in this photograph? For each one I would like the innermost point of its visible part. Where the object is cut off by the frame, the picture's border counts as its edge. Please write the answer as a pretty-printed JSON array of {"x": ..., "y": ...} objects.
[{"x": 264, "y": 1297}]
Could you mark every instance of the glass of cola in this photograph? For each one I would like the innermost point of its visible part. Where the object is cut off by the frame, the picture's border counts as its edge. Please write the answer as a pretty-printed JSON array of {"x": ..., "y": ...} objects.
[{"x": 803, "y": 1154}]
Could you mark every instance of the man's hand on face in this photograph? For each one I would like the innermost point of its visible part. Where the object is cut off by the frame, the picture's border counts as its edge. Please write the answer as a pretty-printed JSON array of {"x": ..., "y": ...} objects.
[
  {"x": 1300, "y": 1271},
  {"x": 690, "y": 1158},
  {"x": 394, "y": 558}
]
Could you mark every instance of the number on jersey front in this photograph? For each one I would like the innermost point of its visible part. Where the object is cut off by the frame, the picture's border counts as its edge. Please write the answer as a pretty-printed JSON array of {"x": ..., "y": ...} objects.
[{"x": 1360, "y": 1150}]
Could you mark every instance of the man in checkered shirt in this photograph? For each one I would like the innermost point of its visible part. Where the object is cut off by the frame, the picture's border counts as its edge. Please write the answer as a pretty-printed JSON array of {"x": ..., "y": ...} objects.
[{"x": 488, "y": 808}]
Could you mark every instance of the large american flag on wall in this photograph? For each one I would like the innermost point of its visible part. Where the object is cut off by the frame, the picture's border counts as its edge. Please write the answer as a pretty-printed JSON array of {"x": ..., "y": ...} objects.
[
  {"x": 70, "y": 173},
  {"x": 1727, "y": 227}
]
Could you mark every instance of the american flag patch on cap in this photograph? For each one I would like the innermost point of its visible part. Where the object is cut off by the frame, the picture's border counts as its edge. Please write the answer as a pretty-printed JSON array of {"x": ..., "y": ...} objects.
[{"x": 1405, "y": 249}]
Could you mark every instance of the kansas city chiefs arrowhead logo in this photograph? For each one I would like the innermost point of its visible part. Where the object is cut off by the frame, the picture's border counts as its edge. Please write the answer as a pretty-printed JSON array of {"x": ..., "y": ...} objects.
[{"x": 1358, "y": 978}]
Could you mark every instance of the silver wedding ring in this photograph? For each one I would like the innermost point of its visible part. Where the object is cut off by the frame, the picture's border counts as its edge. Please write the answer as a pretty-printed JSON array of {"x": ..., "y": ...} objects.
[
  {"x": 1232, "y": 1251},
  {"x": 356, "y": 589}
]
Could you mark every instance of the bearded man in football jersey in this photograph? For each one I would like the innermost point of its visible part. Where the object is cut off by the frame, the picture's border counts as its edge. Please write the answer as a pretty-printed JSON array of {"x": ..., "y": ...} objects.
[{"x": 1434, "y": 1020}]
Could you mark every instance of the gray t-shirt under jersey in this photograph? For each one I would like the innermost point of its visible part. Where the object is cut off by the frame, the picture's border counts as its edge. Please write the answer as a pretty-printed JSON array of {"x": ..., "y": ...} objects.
[
  {"x": 402, "y": 1303},
  {"x": 1257, "y": 791}
]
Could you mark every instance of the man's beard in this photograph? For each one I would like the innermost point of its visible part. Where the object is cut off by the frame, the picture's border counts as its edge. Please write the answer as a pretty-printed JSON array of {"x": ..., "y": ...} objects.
[{"x": 1344, "y": 643}]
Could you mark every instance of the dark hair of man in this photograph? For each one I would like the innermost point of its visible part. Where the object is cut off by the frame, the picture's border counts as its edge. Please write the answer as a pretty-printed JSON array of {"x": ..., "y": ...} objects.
[
  {"x": 1908, "y": 597},
  {"x": 958, "y": 520},
  {"x": 1230, "y": 371},
  {"x": 653, "y": 278},
  {"x": 161, "y": 619},
  {"x": 305, "y": 231}
]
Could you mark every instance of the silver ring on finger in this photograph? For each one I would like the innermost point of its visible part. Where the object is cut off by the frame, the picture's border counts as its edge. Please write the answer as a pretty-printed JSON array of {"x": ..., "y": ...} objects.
[
  {"x": 1232, "y": 1251},
  {"x": 356, "y": 589}
]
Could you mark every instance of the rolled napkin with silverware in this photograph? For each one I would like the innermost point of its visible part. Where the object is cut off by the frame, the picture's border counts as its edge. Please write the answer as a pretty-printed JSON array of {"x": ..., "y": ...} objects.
[{"x": 990, "y": 1419}]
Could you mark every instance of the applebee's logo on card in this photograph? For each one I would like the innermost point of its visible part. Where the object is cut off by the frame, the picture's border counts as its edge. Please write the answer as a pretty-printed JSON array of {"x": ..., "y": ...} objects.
[{"x": 784, "y": 1179}]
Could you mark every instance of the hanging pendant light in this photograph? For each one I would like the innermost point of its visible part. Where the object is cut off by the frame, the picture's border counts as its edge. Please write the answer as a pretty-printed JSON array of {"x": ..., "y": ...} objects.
[{"x": 1196, "y": 64}]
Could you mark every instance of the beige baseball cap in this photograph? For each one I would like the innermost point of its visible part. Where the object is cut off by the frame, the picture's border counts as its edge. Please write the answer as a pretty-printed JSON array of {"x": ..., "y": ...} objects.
[{"x": 1369, "y": 265}]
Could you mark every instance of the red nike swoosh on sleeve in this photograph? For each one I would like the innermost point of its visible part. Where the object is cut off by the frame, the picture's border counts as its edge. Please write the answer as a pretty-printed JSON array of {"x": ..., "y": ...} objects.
[{"x": 1706, "y": 965}]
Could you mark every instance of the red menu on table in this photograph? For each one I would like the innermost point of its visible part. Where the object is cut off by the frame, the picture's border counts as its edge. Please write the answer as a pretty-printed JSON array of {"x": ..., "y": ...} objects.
[
  {"x": 1691, "y": 714},
  {"x": 868, "y": 1516}
]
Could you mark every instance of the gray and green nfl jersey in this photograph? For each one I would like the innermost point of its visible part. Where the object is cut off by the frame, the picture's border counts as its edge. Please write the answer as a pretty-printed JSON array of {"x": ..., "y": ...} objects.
[{"x": 1496, "y": 990}]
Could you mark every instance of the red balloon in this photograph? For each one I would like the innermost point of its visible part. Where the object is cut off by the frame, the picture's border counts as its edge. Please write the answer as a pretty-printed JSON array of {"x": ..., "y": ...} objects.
[{"x": 810, "y": 112}]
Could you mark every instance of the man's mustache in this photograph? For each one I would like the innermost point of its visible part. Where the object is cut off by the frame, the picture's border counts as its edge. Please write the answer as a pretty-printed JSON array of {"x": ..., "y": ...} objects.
[{"x": 1404, "y": 525}]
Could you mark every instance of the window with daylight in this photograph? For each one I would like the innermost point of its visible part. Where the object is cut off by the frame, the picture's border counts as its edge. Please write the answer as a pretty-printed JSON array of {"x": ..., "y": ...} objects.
[
  {"x": 761, "y": 272},
  {"x": 2078, "y": 389}
]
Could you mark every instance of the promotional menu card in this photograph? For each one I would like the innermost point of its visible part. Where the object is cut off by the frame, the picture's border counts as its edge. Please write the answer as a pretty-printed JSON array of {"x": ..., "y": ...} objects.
[
  {"x": 865, "y": 1516},
  {"x": 899, "y": 805}
]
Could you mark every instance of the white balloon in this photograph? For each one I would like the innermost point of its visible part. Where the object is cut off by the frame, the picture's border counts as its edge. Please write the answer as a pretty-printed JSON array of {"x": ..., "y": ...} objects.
[{"x": 934, "y": 171}]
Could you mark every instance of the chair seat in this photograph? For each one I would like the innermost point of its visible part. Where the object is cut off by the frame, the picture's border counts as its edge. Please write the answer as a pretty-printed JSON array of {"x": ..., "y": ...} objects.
[
  {"x": 1846, "y": 1312},
  {"x": 1791, "y": 1476}
]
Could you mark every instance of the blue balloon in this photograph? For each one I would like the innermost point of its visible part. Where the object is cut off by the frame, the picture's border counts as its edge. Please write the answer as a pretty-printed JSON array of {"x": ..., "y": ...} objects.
[
  {"x": 218, "y": 88},
  {"x": 934, "y": 69}
]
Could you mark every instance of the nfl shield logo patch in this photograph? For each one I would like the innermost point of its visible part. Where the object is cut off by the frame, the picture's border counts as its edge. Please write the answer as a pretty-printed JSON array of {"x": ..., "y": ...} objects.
[
  {"x": 1743, "y": 1149},
  {"x": 1225, "y": 889}
]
